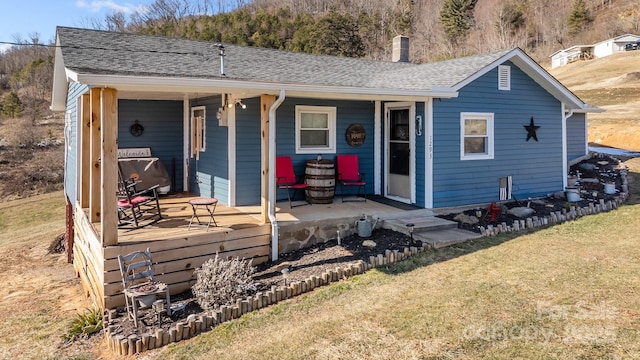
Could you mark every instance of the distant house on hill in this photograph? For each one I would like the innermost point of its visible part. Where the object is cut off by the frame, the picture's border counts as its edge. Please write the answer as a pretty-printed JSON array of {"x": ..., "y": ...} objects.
[
  {"x": 586, "y": 52},
  {"x": 571, "y": 54}
]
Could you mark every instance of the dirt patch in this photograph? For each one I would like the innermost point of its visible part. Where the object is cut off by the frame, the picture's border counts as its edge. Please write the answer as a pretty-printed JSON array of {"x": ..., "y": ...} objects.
[{"x": 633, "y": 76}]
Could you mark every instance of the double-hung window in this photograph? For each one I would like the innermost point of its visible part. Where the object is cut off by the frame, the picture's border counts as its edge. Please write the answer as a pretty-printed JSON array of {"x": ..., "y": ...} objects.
[
  {"x": 476, "y": 136},
  {"x": 315, "y": 129}
]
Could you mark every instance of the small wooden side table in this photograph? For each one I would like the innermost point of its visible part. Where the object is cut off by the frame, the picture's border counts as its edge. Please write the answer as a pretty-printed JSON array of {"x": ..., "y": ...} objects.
[{"x": 209, "y": 204}]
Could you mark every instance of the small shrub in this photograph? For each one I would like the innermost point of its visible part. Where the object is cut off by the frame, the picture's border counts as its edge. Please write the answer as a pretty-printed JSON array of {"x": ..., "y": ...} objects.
[
  {"x": 85, "y": 324},
  {"x": 25, "y": 134},
  {"x": 220, "y": 282}
]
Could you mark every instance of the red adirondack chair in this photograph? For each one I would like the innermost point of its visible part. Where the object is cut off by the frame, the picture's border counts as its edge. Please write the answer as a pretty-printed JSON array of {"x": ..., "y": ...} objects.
[
  {"x": 349, "y": 175},
  {"x": 286, "y": 178}
]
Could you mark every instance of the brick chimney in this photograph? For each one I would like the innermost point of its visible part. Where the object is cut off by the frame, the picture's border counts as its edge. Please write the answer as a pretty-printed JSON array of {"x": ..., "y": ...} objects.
[{"x": 400, "y": 49}]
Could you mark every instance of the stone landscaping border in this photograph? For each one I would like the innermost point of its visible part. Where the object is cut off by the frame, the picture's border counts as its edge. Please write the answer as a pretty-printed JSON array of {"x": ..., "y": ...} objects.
[
  {"x": 565, "y": 215},
  {"x": 555, "y": 217},
  {"x": 195, "y": 325}
]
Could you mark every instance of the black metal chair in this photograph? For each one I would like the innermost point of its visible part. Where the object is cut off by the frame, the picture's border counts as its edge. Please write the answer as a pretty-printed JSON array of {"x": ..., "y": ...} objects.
[{"x": 137, "y": 208}]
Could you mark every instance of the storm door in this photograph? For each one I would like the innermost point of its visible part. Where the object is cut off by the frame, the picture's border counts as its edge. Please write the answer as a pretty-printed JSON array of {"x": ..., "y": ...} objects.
[{"x": 399, "y": 147}]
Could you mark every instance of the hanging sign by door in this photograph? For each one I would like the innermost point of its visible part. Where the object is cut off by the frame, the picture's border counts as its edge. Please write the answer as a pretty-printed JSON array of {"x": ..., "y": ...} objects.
[{"x": 355, "y": 135}]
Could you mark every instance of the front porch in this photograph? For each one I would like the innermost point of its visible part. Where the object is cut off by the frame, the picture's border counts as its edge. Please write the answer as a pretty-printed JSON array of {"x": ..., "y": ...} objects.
[{"x": 178, "y": 250}]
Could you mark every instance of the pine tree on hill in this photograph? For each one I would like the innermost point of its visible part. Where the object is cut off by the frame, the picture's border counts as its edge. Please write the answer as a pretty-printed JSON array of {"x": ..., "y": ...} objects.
[
  {"x": 579, "y": 17},
  {"x": 456, "y": 17}
]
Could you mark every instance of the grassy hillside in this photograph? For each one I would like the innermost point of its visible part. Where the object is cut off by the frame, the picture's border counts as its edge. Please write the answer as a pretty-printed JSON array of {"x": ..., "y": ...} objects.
[
  {"x": 612, "y": 83},
  {"x": 40, "y": 293}
]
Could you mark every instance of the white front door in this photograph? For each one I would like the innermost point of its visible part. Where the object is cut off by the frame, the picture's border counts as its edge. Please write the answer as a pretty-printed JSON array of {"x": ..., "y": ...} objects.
[{"x": 400, "y": 151}]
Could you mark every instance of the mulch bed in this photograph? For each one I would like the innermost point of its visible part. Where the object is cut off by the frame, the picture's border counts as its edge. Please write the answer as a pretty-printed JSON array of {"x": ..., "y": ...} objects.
[
  {"x": 302, "y": 264},
  {"x": 601, "y": 169}
]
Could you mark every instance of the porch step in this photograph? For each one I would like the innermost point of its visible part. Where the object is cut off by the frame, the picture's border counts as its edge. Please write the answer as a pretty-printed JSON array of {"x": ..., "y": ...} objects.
[
  {"x": 421, "y": 224},
  {"x": 431, "y": 230},
  {"x": 445, "y": 237}
]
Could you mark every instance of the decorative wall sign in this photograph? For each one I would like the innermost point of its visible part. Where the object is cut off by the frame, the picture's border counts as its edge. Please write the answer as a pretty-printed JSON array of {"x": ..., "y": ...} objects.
[
  {"x": 531, "y": 130},
  {"x": 355, "y": 135},
  {"x": 134, "y": 152}
]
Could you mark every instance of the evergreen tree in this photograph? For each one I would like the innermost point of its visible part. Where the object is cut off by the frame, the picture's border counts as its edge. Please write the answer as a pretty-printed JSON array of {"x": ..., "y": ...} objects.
[
  {"x": 579, "y": 17},
  {"x": 11, "y": 106},
  {"x": 511, "y": 18},
  {"x": 456, "y": 17},
  {"x": 333, "y": 34}
]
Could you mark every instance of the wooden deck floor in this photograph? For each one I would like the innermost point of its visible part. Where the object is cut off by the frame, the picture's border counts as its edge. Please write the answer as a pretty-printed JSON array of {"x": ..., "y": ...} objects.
[{"x": 176, "y": 214}]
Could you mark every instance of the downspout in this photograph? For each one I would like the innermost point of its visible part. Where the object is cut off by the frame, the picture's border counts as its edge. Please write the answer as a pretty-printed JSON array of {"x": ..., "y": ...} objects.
[
  {"x": 565, "y": 162},
  {"x": 272, "y": 179}
]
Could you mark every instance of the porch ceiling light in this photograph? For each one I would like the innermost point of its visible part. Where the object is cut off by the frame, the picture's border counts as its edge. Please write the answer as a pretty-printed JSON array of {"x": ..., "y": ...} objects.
[{"x": 241, "y": 104}]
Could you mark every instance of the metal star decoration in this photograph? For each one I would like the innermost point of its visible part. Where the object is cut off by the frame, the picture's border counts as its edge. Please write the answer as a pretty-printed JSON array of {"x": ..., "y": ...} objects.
[{"x": 531, "y": 130}]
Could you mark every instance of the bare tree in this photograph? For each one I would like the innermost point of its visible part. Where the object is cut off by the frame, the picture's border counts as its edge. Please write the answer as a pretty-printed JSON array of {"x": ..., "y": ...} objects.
[
  {"x": 116, "y": 21},
  {"x": 631, "y": 16}
]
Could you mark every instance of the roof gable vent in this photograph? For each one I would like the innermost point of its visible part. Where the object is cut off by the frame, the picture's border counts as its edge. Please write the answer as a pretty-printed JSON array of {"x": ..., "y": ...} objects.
[{"x": 504, "y": 77}]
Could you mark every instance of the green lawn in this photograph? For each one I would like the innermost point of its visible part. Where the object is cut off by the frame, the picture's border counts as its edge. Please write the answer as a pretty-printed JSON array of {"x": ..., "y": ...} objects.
[{"x": 569, "y": 291}]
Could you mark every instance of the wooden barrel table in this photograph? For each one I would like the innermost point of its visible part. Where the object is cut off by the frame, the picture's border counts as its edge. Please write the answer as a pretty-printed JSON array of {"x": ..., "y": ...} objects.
[{"x": 321, "y": 178}]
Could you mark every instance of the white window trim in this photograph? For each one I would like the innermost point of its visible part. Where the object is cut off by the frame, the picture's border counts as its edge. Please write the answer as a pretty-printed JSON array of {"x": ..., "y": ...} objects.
[
  {"x": 490, "y": 136},
  {"x": 331, "y": 112},
  {"x": 504, "y": 77},
  {"x": 204, "y": 125}
]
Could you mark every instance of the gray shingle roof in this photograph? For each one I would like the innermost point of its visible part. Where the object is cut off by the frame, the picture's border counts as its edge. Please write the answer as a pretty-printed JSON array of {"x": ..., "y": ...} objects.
[{"x": 102, "y": 52}]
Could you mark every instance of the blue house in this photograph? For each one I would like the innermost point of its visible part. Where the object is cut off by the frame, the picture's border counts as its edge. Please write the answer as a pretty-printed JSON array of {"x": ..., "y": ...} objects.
[{"x": 460, "y": 132}]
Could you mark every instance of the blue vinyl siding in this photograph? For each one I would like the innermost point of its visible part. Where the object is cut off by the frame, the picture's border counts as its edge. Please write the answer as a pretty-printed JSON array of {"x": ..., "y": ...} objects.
[
  {"x": 162, "y": 122},
  {"x": 212, "y": 169},
  {"x": 71, "y": 162},
  {"x": 248, "y": 153},
  {"x": 536, "y": 167},
  {"x": 209, "y": 176},
  {"x": 348, "y": 112},
  {"x": 576, "y": 136}
]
